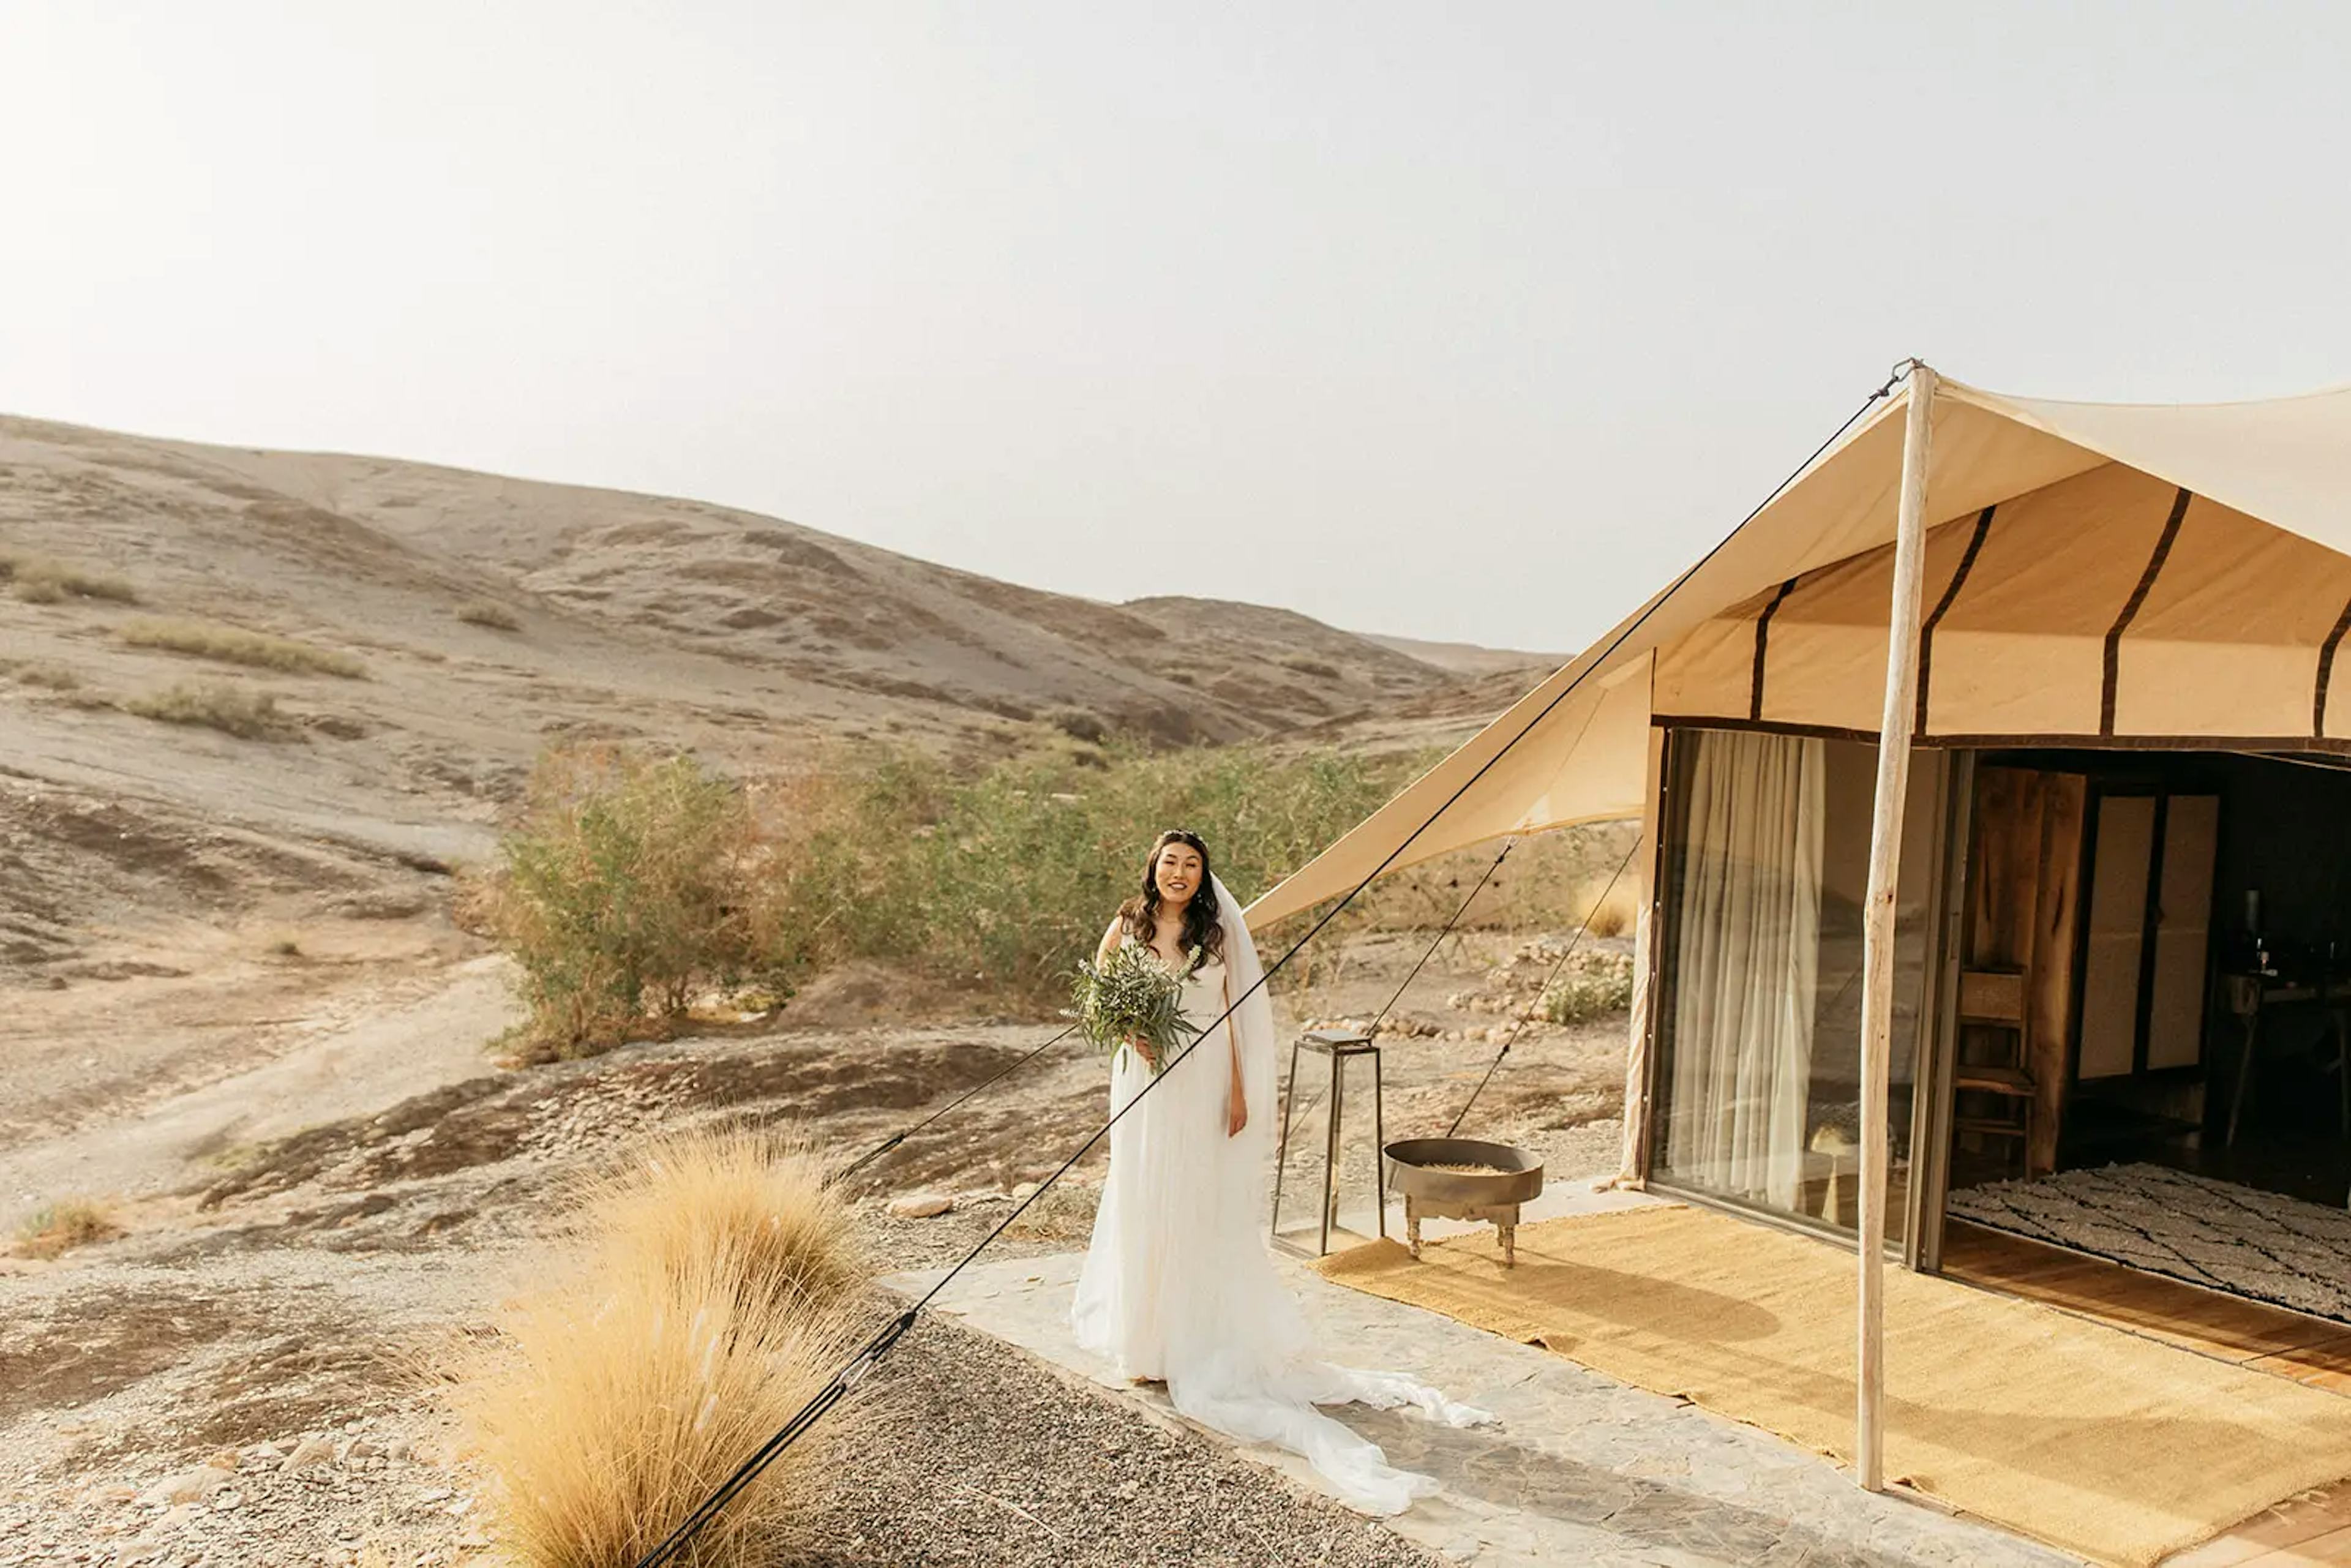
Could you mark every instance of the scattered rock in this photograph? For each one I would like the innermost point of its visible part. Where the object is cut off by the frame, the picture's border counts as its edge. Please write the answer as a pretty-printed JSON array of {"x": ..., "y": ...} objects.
[
  {"x": 358, "y": 1448},
  {"x": 224, "y": 1459},
  {"x": 921, "y": 1204},
  {"x": 1025, "y": 1190}
]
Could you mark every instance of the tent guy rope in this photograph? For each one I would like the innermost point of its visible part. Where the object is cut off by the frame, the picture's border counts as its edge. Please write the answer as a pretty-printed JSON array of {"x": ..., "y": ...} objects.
[{"x": 839, "y": 1386}]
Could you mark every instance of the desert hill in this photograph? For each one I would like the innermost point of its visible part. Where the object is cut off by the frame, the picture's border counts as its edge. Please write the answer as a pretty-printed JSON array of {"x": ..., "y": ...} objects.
[{"x": 365, "y": 655}]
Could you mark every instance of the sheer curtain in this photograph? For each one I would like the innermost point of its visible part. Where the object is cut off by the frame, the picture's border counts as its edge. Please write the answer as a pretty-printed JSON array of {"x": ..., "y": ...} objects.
[{"x": 1746, "y": 961}]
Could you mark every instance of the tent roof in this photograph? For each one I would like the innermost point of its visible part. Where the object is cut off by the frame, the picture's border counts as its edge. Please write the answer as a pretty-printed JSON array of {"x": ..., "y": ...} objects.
[{"x": 2285, "y": 462}]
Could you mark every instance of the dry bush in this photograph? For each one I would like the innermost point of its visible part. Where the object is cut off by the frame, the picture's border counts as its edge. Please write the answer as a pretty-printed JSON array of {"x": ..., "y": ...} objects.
[
  {"x": 40, "y": 580},
  {"x": 617, "y": 1402},
  {"x": 248, "y": 715},
  {"x": 51, "y": 677},
  {"x": 753, "y": 1200},
  {"x": 233, "y": 645},
  {"x": 1613, "y": 909},
  {"x": 63, "y": 1226},
  {"x": 482, "y": 612}
]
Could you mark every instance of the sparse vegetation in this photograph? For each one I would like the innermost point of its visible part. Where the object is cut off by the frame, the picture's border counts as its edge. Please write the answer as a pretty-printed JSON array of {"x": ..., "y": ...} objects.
[
  {"x": 482, "y": 612},
  {"x": 1079, "y": 725},
  {"x": 61, "y": 1227},
  {"x": 617, "y": 1402},
  {"x": 214, "y": 705},
  {"x": 234, "y": 645},
  {"x": 628, "y": 884},
  {"x": 39, "y": 579},
  {"x": 285, "y": 947},
  {"x": 49, "y": 677},
  {"x": 1591, "y": 986},
  {"x": 1321, "y": 669}
]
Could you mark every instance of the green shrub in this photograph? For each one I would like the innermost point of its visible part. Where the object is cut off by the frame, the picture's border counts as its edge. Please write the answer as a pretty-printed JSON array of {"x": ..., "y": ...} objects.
[
  {"x": 1591, "y": 986},
  {"x": 248, "y": 715},
  {"x": 1003, "y": 878},
  {"x": 625, "y": 889},
  {"x": 233, "y": 645}
]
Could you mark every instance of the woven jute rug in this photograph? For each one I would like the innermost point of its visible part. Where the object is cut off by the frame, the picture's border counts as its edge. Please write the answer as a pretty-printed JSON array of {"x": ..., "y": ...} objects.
[{"x": 2099, "y": 1441}]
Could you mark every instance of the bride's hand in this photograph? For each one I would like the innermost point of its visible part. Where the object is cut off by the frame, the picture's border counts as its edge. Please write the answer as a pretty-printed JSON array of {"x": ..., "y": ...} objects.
[{"x": 1144, "y": 1052}]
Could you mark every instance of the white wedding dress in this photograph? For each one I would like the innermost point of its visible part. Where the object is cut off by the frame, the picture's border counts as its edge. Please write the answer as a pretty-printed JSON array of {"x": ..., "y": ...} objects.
[{"x": 1177, "y": 1282}]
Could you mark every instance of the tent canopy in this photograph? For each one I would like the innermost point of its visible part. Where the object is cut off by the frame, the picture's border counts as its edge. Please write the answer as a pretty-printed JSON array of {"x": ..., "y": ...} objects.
[{"x": 2096, "y": 574}]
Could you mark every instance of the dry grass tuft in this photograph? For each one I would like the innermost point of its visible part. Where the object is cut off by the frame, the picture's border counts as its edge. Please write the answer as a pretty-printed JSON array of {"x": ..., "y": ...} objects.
[
  {"x": 617, "y": 1403},
  {"x": 482, "y": 612},
  {"x": 755, "y": 1202},
  {"x": 233, "y": 645},
  {"x": 41, "y": 580},
  {"x": 64, "y": 1225},
  {"x": 1614, "y": 914},
  {"x": 248, "y": 715}
]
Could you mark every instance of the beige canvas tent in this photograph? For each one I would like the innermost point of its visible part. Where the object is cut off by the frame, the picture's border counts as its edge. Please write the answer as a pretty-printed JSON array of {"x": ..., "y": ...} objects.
[
  {"x": 2233, "y": 644},
  {"x": 2151, "y": 584}
]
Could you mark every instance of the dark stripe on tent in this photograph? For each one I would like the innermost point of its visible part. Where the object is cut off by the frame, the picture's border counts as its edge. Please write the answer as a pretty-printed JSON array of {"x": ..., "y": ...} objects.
[
  {"x": 2327, "y": 671},
  {"x": 1763, "y": 645},
  {"x": 1942, "y": 608},
  {"x": 2130, "y": 610}
]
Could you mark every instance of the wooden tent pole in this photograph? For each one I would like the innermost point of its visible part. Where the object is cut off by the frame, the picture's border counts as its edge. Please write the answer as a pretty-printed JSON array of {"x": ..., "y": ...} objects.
[{"x": 1877, "y": 921}]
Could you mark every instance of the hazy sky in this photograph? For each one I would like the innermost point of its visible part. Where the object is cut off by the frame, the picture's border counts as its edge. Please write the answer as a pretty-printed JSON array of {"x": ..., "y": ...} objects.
[{"x": 1470, "y": 321}]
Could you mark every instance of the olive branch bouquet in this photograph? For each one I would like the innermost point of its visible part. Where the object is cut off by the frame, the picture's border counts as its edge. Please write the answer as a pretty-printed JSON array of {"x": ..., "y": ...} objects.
[{"x": 1135, "y": 997}]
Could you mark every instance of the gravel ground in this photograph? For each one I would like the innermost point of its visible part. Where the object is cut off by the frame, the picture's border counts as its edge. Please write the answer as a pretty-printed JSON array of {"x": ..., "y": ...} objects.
[{"x": 1018, "y": 1465}]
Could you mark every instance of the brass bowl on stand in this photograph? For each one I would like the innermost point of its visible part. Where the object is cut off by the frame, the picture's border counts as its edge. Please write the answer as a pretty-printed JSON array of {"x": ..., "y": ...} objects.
[{"x": 1505, "y": 1177}]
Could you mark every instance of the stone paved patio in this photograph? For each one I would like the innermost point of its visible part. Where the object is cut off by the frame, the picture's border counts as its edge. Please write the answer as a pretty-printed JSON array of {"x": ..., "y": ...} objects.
[{"x": 1581, "y": 1471}]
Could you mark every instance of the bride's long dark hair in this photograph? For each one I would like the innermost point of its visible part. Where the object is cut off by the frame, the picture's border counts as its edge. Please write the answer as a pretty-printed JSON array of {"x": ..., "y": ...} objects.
[{"x": 1202, "y": 928}]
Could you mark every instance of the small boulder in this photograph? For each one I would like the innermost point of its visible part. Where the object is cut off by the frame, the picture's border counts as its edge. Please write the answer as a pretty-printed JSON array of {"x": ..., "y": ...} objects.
[
  {"x": 307, "y": 1453},
  {"x": 921, "y": 1204},
  {"x": 1023, "y": 1191},
  {"x": 188, "y": 1487}
]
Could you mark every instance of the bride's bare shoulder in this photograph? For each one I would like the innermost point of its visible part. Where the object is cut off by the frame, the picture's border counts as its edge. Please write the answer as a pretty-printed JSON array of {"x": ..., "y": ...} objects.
[{"x": 1111, "y": 935}]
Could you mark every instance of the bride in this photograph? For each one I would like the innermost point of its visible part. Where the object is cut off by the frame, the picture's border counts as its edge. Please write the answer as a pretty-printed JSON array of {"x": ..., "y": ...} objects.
[{"x": 1176, "y": 1286}]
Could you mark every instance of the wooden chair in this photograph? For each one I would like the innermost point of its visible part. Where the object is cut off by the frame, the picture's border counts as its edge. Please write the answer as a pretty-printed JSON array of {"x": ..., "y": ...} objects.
[{"x": 1992, "y": 1002}]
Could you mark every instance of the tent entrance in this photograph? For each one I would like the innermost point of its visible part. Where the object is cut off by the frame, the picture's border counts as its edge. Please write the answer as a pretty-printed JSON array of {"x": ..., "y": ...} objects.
[{"x": 2147, "y": 1012}]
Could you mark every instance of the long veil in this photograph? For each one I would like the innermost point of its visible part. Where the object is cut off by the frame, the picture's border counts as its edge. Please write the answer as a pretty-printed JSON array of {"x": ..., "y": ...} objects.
[{"x": 1238, "y": 1355}]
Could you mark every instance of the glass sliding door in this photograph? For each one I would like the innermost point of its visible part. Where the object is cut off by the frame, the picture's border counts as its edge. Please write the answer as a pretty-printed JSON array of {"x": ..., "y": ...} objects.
[{"x": 1759, "y": 1024}]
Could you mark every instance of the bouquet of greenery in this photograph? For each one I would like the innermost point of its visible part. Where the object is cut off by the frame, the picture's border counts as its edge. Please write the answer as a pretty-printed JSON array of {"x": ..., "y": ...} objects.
[{"x": 1135, "y": 997}]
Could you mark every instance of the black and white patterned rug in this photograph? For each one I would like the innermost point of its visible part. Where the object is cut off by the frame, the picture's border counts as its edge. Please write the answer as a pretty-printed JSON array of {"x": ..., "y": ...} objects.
[{"x": 2191, "y": 1228}]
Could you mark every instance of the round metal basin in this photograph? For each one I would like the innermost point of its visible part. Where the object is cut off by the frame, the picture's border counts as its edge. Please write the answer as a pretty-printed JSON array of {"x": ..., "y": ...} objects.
[{"x": 1516, "y": 1176}]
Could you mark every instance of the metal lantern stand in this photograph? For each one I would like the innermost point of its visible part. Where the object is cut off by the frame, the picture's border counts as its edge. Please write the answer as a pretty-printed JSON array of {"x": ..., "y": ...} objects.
[{"x": 1338, "y": 1047}]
